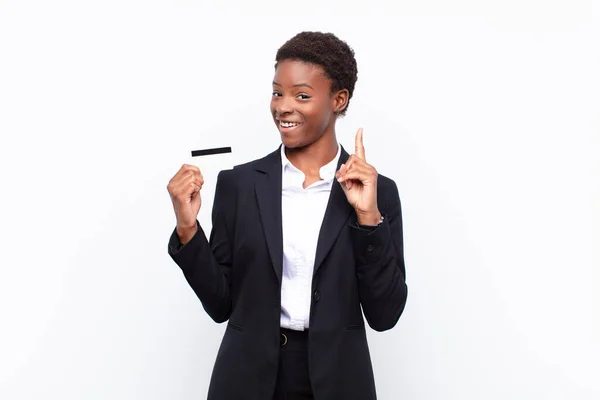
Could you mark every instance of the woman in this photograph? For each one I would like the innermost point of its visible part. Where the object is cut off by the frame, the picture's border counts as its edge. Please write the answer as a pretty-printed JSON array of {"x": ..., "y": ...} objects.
[{"x": 301, "y": 239}]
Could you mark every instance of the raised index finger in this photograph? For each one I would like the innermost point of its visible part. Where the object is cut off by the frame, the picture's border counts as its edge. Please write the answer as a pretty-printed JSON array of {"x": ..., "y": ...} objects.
[{"x": 359, "y": 149}]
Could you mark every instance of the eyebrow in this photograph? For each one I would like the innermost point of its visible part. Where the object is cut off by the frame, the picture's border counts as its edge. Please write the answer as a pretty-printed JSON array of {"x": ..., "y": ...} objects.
[{"x": 296, "y": 85}]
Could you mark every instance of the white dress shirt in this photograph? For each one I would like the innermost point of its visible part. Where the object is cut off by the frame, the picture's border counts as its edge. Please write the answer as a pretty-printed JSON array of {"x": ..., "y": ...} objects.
[{"x": 302, "y": 215}]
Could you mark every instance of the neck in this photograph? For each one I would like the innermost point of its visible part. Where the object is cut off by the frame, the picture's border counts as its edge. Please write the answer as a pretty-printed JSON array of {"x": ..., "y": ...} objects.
[{"x": 311, "y": 158}]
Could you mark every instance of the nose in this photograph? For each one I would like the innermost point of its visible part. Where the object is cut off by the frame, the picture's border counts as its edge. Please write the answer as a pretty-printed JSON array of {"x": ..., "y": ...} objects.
[{"x": 283, "y": 106}]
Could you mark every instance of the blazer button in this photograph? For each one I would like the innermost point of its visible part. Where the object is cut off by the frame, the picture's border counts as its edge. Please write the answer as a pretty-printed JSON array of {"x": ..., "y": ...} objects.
[
  {"x": 370, "y": 248},
  {"x": 317, "y": 295}
]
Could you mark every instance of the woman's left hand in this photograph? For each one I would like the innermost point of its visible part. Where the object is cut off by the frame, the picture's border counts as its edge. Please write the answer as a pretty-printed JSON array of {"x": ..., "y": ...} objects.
[{"x": 359, "y": 182}]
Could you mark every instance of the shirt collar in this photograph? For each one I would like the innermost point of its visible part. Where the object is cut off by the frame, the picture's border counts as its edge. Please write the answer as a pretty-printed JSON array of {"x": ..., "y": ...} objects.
[{"x": 326, "y": 172}]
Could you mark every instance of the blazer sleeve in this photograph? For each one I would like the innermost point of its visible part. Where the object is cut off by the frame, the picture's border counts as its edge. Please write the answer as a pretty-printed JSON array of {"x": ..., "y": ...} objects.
[
  {"x": 207, "y": 264},
  {"x": 380, "y": 269}
]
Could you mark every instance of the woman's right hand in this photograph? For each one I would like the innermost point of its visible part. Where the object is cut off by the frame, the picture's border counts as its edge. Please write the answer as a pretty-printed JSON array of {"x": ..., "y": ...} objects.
[{"x": 184, "y": 189}]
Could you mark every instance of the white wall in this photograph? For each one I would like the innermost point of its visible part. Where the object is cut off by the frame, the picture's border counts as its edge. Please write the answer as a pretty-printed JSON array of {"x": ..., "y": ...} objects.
[{"x": 485, "y": 113}]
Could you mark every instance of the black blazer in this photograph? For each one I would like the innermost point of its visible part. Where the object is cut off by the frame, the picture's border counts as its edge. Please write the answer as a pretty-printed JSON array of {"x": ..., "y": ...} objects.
[{"x": 237, "y": 277}]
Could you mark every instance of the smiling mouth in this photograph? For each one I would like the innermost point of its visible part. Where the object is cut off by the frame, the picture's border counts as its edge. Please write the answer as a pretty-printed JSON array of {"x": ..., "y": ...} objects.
[{"x": 285, "y": 124}]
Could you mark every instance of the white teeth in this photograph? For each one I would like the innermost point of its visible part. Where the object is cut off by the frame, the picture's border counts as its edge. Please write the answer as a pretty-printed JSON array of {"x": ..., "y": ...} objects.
[{"x": 288, "y": 124}]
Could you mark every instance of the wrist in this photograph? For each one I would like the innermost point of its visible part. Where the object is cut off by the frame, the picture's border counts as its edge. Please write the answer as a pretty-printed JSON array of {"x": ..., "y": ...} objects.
[
  {"x": 371, "y": 218},
  {"x": 186, "y": 233}
]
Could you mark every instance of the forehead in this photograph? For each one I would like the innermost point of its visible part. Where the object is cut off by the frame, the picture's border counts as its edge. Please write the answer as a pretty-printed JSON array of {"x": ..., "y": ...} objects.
[{"x": 292, "y": 72}]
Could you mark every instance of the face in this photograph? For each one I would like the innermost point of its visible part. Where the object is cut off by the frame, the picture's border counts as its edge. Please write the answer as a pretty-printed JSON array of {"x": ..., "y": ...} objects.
[{"x": 303, "y": 107}]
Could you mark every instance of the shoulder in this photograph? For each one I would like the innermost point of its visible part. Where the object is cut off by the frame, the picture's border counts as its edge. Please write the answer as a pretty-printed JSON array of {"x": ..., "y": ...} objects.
[
  {"x": 260, "y": 164},
  {"x": 386, "y": 184},
  {"x": 387, "y": 191},
  {"x": 243, "y": 172}
]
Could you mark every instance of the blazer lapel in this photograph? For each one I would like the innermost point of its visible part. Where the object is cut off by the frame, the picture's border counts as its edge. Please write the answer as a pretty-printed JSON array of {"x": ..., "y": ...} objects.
[
  {"x": 268, "y": 195},
  {"x": 336, "y": 217}
]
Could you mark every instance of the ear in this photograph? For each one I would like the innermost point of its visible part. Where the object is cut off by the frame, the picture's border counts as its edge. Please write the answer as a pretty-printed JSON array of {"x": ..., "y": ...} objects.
[{"x": 340, "y": 100}]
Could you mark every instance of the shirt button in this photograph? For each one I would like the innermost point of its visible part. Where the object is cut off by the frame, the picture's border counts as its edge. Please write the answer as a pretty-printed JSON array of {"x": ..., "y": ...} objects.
[
  {"x": 317, "y": 295},
  {"x": 370, "y": 248}
]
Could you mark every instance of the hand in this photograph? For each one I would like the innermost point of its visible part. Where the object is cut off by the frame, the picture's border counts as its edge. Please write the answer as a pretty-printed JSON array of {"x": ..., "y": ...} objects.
[
  {"x": 359, "y": 182},
  {"x": 184, "y": 189}
]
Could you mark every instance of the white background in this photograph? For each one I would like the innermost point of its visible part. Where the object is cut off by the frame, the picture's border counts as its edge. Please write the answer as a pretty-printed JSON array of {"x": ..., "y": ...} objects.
[{"x": 485, "y": 113}]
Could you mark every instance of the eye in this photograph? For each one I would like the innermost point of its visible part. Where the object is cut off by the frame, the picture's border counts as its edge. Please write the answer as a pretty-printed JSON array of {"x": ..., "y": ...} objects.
[
  {"x": 276, "y": 94},
  {"x": 303, "y": 96}
]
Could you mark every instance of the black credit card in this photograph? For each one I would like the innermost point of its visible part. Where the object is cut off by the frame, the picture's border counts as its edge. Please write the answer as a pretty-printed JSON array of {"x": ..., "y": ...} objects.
[{"x": 208, "y": 152}]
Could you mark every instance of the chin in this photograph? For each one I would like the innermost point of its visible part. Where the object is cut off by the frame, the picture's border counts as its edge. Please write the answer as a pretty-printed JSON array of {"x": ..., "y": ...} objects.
[
  {"x": 291, "y": 144},
  {"x": 296, "y": 142},
  {"x": 289, "y": 141}
]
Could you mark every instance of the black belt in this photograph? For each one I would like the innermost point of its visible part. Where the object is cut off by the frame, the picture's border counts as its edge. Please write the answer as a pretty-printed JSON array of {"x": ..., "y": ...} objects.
[{"x": 294, "y": 340}]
